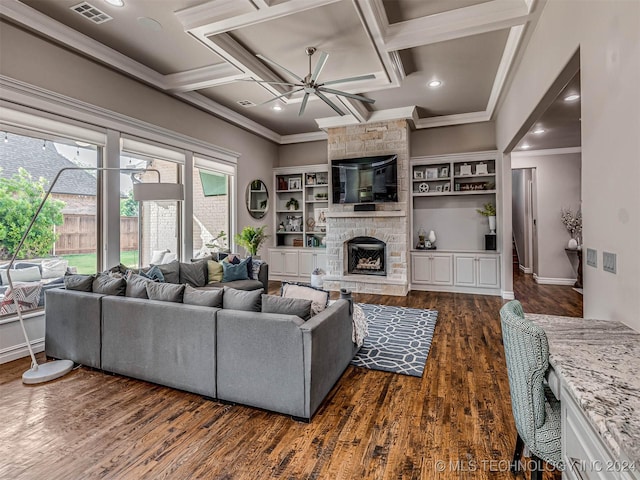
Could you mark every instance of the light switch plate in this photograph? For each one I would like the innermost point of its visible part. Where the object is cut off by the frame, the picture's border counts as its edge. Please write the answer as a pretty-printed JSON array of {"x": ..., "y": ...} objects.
[
  {"x": 592, "y": 257},
  {"x": 609, "y": 262}
]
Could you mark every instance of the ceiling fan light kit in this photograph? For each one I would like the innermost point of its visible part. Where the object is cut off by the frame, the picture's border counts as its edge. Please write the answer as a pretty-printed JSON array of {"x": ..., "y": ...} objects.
[{"x": 310, "y": 85}]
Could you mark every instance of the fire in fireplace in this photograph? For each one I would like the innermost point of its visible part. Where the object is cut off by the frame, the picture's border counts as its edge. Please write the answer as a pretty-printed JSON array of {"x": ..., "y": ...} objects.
[{"x": 366, "y": 256}]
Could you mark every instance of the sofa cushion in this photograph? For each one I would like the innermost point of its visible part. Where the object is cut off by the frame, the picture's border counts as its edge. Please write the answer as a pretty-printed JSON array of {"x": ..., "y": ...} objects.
[
  {"x": 137, "y": 286},
  {"x": 233, "y": 272},
  {"x": 28, "y": 274},
  {"x": 250, "y": 301},
  {"x": 54, "y": 267},
  {"x": 214, "y": 270},
  {"x": 238, "y": 285},
  {"x": 286, "y": 306},
  {"x": 153, "y": 273},
  {"x": 319, "y": 298},
  {"x": 82, "y": 283},
  {"x": 195, "y": 274},
  {"x": 108, "y": 285},
  {"x": 205, "y": 298},
  {"x": 170, "y": 271},
  {"x": 165, "y": 292}
]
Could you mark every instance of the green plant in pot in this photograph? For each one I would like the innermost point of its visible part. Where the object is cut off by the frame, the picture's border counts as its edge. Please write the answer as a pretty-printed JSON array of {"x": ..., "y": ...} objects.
[
  {"x": 489, "y": 211},
  {"x": 251, "y": 239},
  {"x": 292, "y": 204}
]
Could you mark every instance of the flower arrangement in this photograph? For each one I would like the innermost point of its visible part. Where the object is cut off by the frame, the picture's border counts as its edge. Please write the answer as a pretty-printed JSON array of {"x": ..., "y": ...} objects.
[
  {"x": 572, "y": 222},
  {"x": 489, "y": 210}
]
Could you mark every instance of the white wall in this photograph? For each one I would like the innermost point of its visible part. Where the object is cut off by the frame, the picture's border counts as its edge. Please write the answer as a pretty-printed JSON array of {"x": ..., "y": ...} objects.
[
  {"x": 608, "y": 36},
  {"x": 308, "y": 153},
  {"x": 558, "y": 186},
  {"x": 471, "y": 137}
]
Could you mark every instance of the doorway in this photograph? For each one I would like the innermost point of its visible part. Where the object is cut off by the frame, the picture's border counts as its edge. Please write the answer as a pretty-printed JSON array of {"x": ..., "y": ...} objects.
[{"x": 524, "y": 219}]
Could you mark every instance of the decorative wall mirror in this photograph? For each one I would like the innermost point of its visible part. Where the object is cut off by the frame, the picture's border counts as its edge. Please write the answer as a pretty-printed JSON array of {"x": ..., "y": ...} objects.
[{"x": 257, "y": 199}]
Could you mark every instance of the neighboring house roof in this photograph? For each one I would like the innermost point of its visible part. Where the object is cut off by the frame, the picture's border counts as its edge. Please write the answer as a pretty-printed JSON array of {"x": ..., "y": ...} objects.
[{"x": 27, "y": 152}]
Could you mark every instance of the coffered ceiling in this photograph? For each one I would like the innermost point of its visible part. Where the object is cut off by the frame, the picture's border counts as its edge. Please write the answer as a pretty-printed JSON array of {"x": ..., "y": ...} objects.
[{"x": 205, "y": 53}]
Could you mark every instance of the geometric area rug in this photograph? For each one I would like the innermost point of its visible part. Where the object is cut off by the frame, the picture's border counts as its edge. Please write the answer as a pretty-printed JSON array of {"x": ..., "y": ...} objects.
[{"x": 399, "y": 339}]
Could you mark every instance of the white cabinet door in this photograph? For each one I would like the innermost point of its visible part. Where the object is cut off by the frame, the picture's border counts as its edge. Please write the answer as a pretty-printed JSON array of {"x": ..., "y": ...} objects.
[
  {"x": 321, "y": 261},
  {"x": 306, "y": 262},
  {"x": 276, "y": 262},
  {"x": 488, "y": 275},
  {"x": 420, "y": 268},
  {"x": 465, "y": 270},
  {"x": 441, "y": 269},
  {"x": 290, "y": 263}
]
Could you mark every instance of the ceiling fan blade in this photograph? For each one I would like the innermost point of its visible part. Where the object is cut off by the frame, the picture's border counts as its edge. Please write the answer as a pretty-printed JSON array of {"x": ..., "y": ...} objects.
[
  {"x": 270, "y": 83},
  {"x": 330, "y": 103},
  {"x": 350, "y": 79},
  {"x": 305, "y": 99},
  {"x": 265, "y": 59},
  {"x": 319, "y": 66},
  {"x": 345, "y": 94},
  {"x": 283, "y": 95}
]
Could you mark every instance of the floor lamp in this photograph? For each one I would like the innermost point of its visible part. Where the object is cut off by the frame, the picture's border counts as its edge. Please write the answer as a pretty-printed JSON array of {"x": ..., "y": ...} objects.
[{"x": 141, "y": 192}]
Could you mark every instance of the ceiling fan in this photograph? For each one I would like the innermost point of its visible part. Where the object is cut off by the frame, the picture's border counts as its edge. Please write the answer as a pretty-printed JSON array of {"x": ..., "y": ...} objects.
[{"x": 309, "y": 84}]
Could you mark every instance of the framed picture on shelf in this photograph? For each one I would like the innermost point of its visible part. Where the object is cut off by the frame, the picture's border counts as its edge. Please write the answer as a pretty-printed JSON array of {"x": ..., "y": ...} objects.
[
  {"x": 282, "y": 184},
  {"x": 295, "y": 183},
  {"x": 432, "y": 173},
  {"x": 310, "y": 179},
  {"x": 321, "y": 216},
  {"x": 444, "y": 172},
  {"x": 438, "y": 188},
  {"x": 418, "y": 175},
  {"x": 465, "y": 169},
  {"x": 322, "y": 178},
  {"x": 446, "y": 187},
  {"x": 481, "y": 169}
]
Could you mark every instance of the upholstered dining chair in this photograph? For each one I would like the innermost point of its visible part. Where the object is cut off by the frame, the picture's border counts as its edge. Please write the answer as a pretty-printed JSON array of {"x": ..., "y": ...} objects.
[{"x": 535, "y": 410}]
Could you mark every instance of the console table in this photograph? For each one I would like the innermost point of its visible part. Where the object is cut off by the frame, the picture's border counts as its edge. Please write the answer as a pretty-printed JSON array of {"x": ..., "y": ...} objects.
[
  {"x": 595, "y": 373},
  {"x": 578, "y": 253}
]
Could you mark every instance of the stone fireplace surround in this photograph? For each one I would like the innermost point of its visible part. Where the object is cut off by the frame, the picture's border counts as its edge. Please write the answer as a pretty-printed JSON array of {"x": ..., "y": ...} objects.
[{"x": 388, "y": 223}]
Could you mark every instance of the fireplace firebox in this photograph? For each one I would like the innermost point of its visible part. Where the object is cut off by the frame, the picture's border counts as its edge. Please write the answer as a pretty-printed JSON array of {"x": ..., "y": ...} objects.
[{"x": 366, "y": 256}]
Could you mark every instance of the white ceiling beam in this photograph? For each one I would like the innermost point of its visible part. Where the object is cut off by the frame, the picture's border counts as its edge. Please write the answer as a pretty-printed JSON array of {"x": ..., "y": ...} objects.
[
  {"x": 260, "y": 4},
  {"x": 508, "y": 55},
  {"x": 207, "y": 19},
  {"x": 462, "y": 22},
  {"x": 355, "y": 108},
  {"x": 303, "y": 137},
  {"x": 448, "y": 120},
  {"x": 408, "y": 113},
  {"x": 203, "y": 77}
]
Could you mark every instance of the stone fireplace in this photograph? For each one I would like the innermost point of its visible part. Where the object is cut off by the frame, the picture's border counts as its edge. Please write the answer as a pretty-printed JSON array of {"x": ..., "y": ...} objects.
[
  {"x": 366, "y": 256},
  {"x": 388, "y": 224}
]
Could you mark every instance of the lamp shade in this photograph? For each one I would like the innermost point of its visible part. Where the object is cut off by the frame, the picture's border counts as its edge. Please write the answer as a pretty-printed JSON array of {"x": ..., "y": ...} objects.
[{"x": 145, "y": 192}]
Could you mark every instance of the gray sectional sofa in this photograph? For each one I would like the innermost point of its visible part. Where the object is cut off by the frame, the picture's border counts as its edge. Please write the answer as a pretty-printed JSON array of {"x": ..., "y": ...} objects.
[{"x": 272, "y": 361}]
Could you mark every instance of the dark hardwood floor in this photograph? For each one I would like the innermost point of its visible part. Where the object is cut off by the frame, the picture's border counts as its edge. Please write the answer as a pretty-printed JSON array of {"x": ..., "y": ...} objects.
[{"x": 453, "y": 423}]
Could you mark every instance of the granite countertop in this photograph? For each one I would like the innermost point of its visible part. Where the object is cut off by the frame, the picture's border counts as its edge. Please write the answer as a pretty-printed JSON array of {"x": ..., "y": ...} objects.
[{"x": 599, "y": 361}]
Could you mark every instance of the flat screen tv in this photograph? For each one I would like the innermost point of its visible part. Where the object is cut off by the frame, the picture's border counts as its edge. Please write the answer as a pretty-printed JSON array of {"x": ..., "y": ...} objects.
[{"x": 365, "y": 179}]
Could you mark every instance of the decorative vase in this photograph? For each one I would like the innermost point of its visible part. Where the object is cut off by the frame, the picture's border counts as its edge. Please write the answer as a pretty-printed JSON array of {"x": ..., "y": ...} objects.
[
  {"x": 492, "y": 224},
  {"x": 432, "y": 237},
  {"x": 573, "y": 244}
]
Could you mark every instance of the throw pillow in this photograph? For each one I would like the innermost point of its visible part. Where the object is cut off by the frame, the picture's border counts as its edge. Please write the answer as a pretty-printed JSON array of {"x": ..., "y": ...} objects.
[
  {"x": 157, "y": 256},
  {"x": 255, "y": 270},
  {"x": 319, "y": 298},
  {"x": 286, "y": 306},
  {"x": 154, "y": 273},
  {"x": 28, "y": 298},
  {"x": 82, "y": 283},
  {"x": 170, "y": 271},
  {"x": 109, "y": 286},
  {"x": 215, "y": 271},
  {"x": 137, "y": 286},
  {"x": 54, "y": 267},
  {"x": 233, "y": 272},
  {"x": 29, "y": 274},
  {"x": 195, "y": 274},
  {"x": 204, "y": 298},
  {"x": 165, "y": 292},
  {"x": 249, "y": 301},
  {"x": 232, "y": 258},
  {"x": 22, "y": 264}
]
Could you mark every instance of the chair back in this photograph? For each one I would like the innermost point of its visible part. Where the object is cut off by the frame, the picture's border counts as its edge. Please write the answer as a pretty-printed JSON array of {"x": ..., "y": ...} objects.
[{"x": 527, "y": 355}]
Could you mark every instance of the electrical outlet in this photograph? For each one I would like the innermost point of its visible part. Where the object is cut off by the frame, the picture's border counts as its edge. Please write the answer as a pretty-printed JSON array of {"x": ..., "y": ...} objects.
[
  {"x": 592, "y": 257},
  {"x": 609, "y": 262}
]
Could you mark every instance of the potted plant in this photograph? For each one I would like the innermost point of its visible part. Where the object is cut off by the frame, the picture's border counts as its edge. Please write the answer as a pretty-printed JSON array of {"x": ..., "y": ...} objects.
[
  {"x": 251, "y": 238},
  {"x": 489, "y": 211},
  {"x": 292, "y": 204}
]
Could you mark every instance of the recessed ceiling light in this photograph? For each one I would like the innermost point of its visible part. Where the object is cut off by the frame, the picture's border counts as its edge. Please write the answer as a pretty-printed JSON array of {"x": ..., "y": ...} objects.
[
  {"x": 571, "y": 98},
  {"x": 434, "y": 83},
  {"x": 539, "y": 130},
  {"x": 525, "y": 146},
  {"x": 277, "y": 108},
  {"x": 150, "y": 23},
  {"x": 115, "y": 3}
]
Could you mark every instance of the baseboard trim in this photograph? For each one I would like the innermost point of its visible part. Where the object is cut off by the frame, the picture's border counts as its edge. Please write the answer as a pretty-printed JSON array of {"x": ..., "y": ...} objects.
[
  {"x": 14, "y": 352},
  {"x": 507, "y": 295},
  {"x": 524, "y": 269},
  {"x": 554, "y": 281}
]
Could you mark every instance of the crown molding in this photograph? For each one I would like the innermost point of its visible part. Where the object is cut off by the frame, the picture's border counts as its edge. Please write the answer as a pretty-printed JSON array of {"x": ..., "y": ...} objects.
[
  {"x": 402, "y": 113},
  {"x": 545, "y": 153},
  {"x": 303, "y": 137},
  {"x": 508, "y": 56},
  {"x": 203, "y": 77},
  {"x": 461, "y": 22},
  {"x": 448, "y": 120}
]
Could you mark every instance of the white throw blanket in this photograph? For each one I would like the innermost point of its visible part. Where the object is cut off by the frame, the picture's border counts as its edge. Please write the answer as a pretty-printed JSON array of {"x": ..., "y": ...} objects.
[{"x": 360, "y": 327}]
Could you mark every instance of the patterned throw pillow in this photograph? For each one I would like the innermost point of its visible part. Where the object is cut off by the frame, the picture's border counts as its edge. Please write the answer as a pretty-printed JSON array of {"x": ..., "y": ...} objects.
[
  {"x": 255, "y": 268},
  {"x": 28, "y": 296}
]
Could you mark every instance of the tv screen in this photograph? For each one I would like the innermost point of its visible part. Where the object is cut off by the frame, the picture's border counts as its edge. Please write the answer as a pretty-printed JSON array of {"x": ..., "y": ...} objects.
[{"x": 365, "y": 180}]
